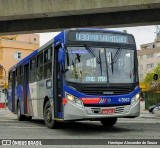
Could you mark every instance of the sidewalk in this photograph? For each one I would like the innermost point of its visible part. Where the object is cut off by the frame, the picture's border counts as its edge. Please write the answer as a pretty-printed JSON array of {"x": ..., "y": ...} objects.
[{"x": 146, "y": 114}]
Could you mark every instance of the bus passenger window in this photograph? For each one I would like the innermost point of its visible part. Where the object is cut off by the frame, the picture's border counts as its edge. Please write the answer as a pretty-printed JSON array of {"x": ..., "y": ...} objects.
[
  {"x": 39, "y": 74},
  {"x": 32, "y": 70},
  {"x": 48, "y": 63}
]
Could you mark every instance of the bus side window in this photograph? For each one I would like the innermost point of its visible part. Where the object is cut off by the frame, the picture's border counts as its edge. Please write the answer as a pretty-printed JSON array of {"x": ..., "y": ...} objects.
[
  {"x": 10, "y": 80},
  {"x": 48, "y": 62},
  {"x": 39, "y": 74},
  {"x": 19, "y": 73},
  {"x": 10, "y": 76},
  {"x": 32, "y": 75}
]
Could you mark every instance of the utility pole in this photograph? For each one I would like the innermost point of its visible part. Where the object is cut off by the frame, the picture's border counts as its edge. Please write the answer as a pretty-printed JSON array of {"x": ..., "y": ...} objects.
[
  {"x": 155, "y": 77},
  {"x": 157, "y": 32}
]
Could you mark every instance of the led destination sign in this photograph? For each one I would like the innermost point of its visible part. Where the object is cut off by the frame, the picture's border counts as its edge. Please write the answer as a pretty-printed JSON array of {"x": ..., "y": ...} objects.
[{"x": 100, "y": 37}]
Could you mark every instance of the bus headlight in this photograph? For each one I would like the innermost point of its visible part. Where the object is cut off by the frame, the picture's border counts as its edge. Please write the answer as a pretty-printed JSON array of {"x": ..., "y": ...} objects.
[
  {"x": 70, "y": 97},
  {"x": 74, "y": 99},
  {"x": 135, "y": 99},
  {"x": 78, "y": 102}
]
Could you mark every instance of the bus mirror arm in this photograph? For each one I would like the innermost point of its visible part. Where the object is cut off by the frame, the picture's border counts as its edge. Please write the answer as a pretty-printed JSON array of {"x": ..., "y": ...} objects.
[
  {"x": 64, "y": 71},
  {"x": 61, "y": 55}
]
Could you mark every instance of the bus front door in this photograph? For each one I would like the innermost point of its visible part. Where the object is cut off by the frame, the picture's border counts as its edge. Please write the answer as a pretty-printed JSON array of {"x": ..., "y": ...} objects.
[
  {"x": 58, "y": 83},
  {"x": 25, "y": 89}
]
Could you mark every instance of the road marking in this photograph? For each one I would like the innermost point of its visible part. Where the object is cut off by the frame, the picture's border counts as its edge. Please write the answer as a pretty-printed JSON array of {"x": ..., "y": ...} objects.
[
  {"x": 24, "y": 127},
  {"x": 8, "y": 115}
]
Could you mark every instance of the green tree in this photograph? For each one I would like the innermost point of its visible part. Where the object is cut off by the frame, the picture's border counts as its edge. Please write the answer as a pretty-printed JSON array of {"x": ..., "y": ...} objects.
[{"x": 149, "y": 77}]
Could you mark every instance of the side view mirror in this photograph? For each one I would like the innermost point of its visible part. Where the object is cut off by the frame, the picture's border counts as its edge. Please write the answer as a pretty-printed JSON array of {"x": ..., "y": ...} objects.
[{"x": 61, "y": 55}]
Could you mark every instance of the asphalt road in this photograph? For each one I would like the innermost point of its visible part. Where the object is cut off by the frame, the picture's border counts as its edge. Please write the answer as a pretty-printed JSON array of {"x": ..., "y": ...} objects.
[{"x": 137, "y": 128}]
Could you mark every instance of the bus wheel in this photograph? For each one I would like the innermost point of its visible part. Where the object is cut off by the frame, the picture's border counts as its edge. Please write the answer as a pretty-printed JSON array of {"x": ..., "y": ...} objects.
[
  {"x": 28, "y": 118},
  {"x": 109, "y": 121},
  {"x": 19, "y": 115},
  {"x": 50, "y": 123}
]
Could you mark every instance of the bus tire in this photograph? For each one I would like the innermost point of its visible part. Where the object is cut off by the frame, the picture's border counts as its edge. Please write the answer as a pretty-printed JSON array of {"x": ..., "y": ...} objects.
[
  {"x": 50, "y": 123},
  {"x": 109, "y": 121},
  {"x": 28, "y": 118},
  {"x": 19, "y": 115}
]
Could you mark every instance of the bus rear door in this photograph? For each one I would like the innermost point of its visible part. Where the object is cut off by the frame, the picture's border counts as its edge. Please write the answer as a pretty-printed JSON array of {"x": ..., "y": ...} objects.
[{"x": 13, "y": 90}]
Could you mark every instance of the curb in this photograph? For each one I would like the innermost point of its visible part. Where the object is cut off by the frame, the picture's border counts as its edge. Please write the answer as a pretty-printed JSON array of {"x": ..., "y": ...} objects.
[{"x": 151, "y": 117}]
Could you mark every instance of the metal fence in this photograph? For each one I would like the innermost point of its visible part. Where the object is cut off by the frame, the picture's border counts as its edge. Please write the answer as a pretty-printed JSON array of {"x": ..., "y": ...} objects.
[{"x": 151, "y": 98}]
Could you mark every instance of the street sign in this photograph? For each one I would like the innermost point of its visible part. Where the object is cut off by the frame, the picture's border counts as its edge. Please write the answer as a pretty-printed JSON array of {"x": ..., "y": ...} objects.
[{"x": 155, "y": 77}]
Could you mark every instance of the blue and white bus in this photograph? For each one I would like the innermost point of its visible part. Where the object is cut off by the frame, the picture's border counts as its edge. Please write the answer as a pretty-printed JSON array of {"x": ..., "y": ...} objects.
[{"x": 81, "y": 74}]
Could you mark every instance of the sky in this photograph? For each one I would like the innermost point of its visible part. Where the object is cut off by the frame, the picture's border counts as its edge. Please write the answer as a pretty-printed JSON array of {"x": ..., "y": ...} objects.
[{"x": 142, "y": 34}]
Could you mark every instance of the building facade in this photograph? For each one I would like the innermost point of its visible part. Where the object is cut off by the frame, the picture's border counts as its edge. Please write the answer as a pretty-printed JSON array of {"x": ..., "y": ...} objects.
[
  {"x": 13, "y": 48},
  {"x": 148, "y": 58}
]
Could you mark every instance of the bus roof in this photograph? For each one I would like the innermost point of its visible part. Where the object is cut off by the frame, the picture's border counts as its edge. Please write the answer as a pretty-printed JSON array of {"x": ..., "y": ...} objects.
[
  {"x": 27, "y": 58},
  {"x": 98, "y": 29}
]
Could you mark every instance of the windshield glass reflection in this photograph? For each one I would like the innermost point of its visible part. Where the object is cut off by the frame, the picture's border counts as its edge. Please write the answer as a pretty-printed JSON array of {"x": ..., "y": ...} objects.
[{"x": 100, "y": 65}]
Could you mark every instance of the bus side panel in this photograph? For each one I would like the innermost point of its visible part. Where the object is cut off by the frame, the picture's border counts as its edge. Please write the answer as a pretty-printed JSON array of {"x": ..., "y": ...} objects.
[
  {"x": 19, "y": 97},
  {"x": 33, "y": 87},
  {"x": 44, "y": 91},
  {"x": 29, "y": 106},
  {"x": 9, "y": 99},
  {"x": 38, "y": 92}
]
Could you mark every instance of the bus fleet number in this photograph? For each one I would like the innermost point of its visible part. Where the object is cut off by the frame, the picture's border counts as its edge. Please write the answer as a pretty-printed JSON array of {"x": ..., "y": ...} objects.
[{"x": 123, "y": 99}]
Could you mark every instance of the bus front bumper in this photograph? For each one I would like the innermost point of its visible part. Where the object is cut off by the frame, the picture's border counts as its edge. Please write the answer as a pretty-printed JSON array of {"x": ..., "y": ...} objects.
[{"x": 74, "y": 112}]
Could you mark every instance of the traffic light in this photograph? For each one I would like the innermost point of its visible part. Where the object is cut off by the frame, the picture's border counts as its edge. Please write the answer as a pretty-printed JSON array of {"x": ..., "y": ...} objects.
[
  {"x": 155, "y": 77},
  {"x": 4, "y": 91}
]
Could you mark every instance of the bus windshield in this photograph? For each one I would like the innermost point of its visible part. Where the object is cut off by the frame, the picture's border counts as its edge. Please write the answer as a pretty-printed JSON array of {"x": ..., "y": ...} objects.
[{"x": 100, "y": 65}]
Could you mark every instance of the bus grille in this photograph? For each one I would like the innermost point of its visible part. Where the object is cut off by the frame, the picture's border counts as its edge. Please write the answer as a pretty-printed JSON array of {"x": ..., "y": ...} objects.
[
  {"x": 119, "y": 109},
  {"x": 106, "y": 90}
]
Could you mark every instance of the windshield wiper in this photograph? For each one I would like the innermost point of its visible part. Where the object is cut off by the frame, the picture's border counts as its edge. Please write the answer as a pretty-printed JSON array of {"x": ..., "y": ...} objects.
[
  {"x": 100, "y": 62},
  {"x": 98, "y": 59},
  {"x": 115, "y": 58},
  {"x": 92, "y": 53}
]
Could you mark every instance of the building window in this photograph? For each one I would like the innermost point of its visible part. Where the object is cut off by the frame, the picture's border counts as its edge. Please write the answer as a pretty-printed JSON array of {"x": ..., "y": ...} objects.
[
  {"x": 150, "y": 65},
  {"x": 17, "y": 55},
  {"x": 141, "y": 57},
  {"x": 153, "y": 46},
  {"x": 141, "y": 67},
  {"x": 150, "y": 56},
  {"x": 157, "y": 55},
  {"x": 141, "y": 76}
]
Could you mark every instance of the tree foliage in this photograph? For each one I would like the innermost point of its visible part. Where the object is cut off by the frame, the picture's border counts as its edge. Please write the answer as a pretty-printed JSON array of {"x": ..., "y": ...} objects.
[{"x": 149, "y": 77}]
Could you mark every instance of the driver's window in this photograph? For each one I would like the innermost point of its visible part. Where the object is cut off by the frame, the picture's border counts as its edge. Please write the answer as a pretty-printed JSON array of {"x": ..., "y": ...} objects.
[{"x": 127, "y": 62}]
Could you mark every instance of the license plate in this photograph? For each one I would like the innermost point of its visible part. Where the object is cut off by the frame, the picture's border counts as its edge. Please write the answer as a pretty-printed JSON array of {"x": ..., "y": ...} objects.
[{"x": 108, "y": 111}]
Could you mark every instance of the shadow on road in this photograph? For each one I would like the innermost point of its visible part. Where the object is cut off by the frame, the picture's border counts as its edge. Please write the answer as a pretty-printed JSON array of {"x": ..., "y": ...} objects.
[
  {"x": 37, "y": 122},
  {"x": 90, "y": 127}
]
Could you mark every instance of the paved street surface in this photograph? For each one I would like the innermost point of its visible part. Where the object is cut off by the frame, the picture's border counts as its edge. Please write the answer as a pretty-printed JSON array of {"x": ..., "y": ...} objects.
[{"x": 145, "y": 126}]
